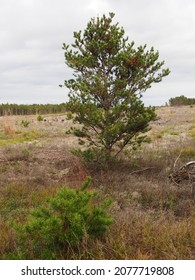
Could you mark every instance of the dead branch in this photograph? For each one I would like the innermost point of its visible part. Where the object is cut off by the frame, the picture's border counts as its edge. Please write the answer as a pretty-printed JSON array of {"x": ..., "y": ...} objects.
[{"x": 187, "y": 165}]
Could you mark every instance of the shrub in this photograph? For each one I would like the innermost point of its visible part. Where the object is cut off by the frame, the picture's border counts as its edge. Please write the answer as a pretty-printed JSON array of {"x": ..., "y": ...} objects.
[
  {"x": 25, "y": 123},
  {"x": 39, "y": 118},
  {"x": 64, "y": 221},
  {"x": 69, "y": 115}
]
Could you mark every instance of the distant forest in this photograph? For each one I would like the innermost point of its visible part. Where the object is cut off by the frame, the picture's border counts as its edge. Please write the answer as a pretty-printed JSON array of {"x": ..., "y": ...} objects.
[
  {"x": 41, "y": 109},
  {"x": 181, "y": 101},
  {"x": 16, "y": 109}
]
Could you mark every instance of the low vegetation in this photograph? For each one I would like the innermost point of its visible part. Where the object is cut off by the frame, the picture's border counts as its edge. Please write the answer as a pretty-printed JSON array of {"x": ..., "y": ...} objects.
[
  {"x": 62, "y": 222},
  {"x": 11, "y": 136},
  {"x": 152, "y": 216}
]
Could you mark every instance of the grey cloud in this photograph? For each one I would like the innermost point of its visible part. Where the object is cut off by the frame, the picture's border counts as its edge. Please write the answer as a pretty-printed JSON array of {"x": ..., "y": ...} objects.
[{"x": 32, "y": 32}]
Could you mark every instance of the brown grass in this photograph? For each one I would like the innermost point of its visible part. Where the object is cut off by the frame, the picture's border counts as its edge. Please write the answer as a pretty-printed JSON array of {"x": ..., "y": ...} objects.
[
  {"x": 8, "y": 130},
  {"x": 153, "y": 217}
]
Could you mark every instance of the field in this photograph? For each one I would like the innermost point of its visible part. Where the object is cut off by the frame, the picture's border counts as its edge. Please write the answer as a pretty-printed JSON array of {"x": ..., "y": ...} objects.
[{"x": 153, "y": 216}]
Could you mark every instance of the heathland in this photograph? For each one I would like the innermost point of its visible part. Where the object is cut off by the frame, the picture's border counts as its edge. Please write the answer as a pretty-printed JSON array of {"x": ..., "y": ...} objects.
[{"x": 152, "y": 208}]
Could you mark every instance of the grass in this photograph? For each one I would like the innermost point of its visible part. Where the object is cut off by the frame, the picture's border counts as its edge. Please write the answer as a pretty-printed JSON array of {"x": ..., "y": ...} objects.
[
  {"x": 21, "y": 137},
  {"x": 169, "y": 131},
  {"x": 152, "y": 217},
  {"x": 157, "y": 223},
  {"x": 188, "y": 152},
  {"x": 135, "y": 234},
  {"x": 192, "y": 132}
]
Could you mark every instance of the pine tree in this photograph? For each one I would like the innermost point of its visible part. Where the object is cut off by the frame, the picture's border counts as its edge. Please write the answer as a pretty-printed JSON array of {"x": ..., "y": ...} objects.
[{"x": 110, "y": 76}]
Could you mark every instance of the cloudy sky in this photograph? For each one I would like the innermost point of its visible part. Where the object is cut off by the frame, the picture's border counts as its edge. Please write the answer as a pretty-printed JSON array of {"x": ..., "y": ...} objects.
[{"x": 32, "y": 32}]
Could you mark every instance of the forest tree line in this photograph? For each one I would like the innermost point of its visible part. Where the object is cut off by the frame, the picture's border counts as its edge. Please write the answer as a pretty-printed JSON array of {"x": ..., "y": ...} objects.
[
  {"x": 33, "y": 109},
  {"x": 181, "y": 101}
]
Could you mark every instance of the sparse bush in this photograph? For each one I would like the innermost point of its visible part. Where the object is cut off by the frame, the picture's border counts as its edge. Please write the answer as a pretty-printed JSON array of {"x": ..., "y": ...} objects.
[
  {"x": 25, "y": 123},
  {"x": 66, "y": 219},
  {"x": 39, "y": 118},
  {"x": 69, "y": 115}
]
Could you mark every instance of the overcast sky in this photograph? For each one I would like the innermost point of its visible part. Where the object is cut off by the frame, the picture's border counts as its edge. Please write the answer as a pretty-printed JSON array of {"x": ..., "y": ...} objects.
[{"x": 32, "y": 33}]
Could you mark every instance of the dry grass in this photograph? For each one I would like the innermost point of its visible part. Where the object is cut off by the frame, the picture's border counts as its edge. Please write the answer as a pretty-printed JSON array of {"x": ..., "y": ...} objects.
[
  {"x": 8, "y": 130},
  {"x": 153, "y": 217}
]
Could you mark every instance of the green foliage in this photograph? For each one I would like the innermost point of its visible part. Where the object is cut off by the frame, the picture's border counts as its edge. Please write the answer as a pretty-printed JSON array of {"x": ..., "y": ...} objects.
[
  {"x": 69, "y": 116},
  {"x": 25, "y": 123},
  {"x": 110, "y": 76},
  {"x": 64, "y": 221},
  {"x": 95, "y": 156},
  {"x": 86, "y": 155},
  {"x": 181, "y": 100},
  {"x": 39, "y": 118}
]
